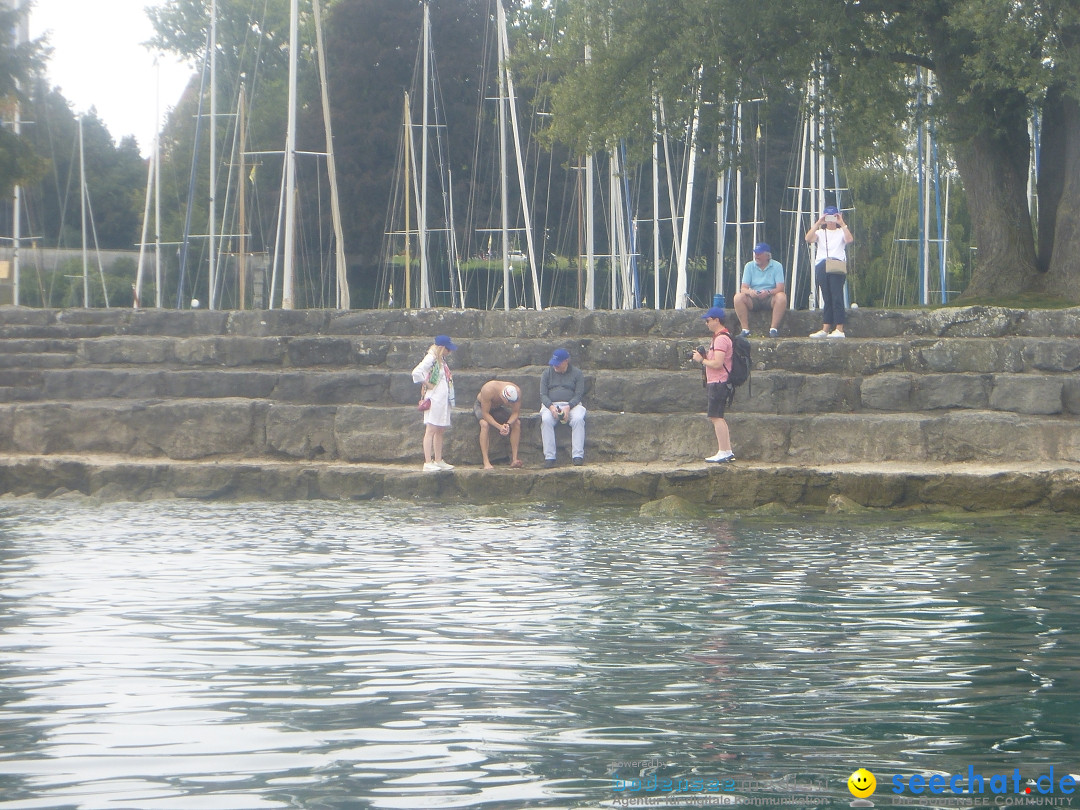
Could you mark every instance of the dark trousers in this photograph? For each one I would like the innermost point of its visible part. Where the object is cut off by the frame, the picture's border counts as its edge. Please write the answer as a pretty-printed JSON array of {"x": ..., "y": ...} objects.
[{"x": 832, "y": 294}]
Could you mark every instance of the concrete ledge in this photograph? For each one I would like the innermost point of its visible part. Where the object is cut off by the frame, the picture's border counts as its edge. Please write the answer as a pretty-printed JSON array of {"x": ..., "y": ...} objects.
[{"x": 738, "y": 486}]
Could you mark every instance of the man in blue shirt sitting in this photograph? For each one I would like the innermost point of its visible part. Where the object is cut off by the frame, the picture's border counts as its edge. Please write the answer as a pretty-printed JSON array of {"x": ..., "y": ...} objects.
[{"x": 762, "y": 288}]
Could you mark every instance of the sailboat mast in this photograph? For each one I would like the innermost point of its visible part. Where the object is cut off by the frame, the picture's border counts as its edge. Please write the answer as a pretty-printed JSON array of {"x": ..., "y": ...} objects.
[
  {"x": 525, "y": 213},
  {"x": 137, "y": 300},
  {"x": 22, "y": 35},
  {"x": 158, "y": 292},
  {"x": 289, "y": 272},
  {"x": 681, "y": 292},
  {"x": 408, "y": 203},
  {"x": 150, "y": 180},
  {"x": 425, "y": 292},
  {"x": 504, "y": 209},
  {"x": 212, "y": 275},
  {"x": 343, "y": 299},
  {"x": 241, "y": 257},
  {"x": 82, "y": 210},
  {"x": 656, "y": 203}
]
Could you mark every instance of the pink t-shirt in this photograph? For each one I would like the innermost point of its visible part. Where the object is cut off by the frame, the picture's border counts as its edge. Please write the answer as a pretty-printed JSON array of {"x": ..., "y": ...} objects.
[{"x": 721, "y": 342}]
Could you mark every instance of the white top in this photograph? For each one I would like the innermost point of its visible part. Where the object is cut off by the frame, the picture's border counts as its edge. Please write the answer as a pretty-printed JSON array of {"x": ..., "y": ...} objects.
[{"x": 831, "y": 244}]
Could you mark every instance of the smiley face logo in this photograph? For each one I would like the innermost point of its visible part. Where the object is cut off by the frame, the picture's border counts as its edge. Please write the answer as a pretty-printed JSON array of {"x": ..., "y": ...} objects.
[{"x": 862, "y": 783}]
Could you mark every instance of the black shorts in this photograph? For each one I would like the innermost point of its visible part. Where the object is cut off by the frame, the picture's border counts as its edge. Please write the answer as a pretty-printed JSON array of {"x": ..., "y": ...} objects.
[
  {"x": 499, "y": 413},
  {"x": 718, "y": 398}
]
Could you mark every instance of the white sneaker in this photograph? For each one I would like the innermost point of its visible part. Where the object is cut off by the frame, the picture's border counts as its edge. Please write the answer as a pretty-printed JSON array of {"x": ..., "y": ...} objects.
[
  {"x": 836, "y": 333},
  {"x": 431, "y": 466},
  {"x": 820, "y": 333},
  {"x": 442, "y": 465},
  {"x": 720, "y": 458}
]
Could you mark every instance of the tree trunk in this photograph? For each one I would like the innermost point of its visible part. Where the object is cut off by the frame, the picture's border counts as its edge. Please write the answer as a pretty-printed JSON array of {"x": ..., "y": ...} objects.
[
  {"x": 1059, "y": 197},
  {"x": 997, "y": 198},
  {"x": 993, "y": 162}
]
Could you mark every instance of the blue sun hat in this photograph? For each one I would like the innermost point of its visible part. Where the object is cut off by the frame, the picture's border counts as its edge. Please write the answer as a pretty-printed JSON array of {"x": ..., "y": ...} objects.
[
  {"x": 713, "y": 312},
  {"x": 831, "y": 210},
  {"x": 445, "y": 342},
  {"x": 762, "y": 247}
]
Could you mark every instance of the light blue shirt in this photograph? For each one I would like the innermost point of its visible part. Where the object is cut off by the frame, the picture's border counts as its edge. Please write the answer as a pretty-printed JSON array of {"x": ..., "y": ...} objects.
[{"x": 757, "y": 279}]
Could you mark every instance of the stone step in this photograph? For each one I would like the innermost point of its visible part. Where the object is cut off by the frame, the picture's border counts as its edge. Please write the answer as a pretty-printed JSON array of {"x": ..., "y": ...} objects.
[
  {"x": 36, "y": 360},
  {"x": 638, "y": 391},
  {"x": 190, "y": 429},
  {"x": 850, "y": 357},
  {"x": 723, "y": 489},
  {"x": 552, "y": 323}
]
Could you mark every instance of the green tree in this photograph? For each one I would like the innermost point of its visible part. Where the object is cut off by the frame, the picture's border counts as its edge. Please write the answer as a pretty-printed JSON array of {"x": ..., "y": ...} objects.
[
  {"x": 115, "y": 175},
  {"x": 994, "y": 62},
  {"x": 20, "y": 64}
]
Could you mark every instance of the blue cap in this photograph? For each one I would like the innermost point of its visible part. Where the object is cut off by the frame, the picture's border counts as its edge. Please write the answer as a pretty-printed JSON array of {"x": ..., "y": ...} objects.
[
  {"x": 714, "y": 312},
  {"x": 831, "y": 210},
  {"x": 445, "y": 342},
  {"x": 558, "y": 357},
  {"x": 762, "y": 247}
]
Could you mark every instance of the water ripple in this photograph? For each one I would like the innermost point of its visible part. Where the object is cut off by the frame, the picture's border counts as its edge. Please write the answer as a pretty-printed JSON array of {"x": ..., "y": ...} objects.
[{"x": 175, "y": 655}]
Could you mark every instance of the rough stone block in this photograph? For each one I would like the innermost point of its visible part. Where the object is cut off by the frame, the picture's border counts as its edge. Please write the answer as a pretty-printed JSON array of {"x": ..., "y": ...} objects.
[
  {"x": 973, "y": 356},
  {"x": 939, "y": 391},
  {"x": 1070, "y": 395},
  {"x": 857, "y": 437},
  {"x": 1027, "y": 393},
  {"x": 192, "y": 429},
  {"x": 1052, "y": 355},
  {"x": 887, "y": 392},
  {"x": 118, "y": 350},
  {"x": 301, "y": 431},
  {"x": 989, "y": 436},
  {"x": 320, "y": 351}
]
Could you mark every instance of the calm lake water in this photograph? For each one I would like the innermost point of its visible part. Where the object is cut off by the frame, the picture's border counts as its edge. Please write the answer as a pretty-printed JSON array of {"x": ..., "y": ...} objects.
[{"x": 389, "y": 655}]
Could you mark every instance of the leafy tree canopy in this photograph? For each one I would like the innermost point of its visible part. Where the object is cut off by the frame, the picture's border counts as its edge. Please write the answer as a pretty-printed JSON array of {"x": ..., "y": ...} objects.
[{"x": 994, "y": 62}]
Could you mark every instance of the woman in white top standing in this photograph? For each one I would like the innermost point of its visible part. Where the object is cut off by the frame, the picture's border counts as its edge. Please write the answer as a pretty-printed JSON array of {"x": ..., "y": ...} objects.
[
  {"x": 832, "y": 236},
  {"x": 438, "y": 388}
]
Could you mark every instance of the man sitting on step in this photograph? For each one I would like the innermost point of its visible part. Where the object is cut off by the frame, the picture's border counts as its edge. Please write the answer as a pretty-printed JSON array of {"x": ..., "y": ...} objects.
[
  {"x": 762, "y": 288},
  {"x": 561, "y": 388},
  {"x": 498, "y": 405}
]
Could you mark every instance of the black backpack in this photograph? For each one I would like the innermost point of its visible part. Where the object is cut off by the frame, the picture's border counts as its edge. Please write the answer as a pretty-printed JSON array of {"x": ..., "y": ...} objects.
[
  {"x": 740, "y": 360},
  {"x": 739, "y": 370}
]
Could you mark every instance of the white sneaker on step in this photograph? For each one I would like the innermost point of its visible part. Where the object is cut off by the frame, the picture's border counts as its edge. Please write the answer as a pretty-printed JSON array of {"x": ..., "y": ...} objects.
[
  {"x": 442, "y": 465},
  {"x": 431, "y": 466},
  {"x": 720, "y": 458},
  {"x": 836, "y": 333},
  {"x": 820, "y": 333}
]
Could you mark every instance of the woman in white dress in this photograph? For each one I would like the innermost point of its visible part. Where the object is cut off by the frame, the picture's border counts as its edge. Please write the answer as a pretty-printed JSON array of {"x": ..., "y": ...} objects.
[{"x": 438, "y": 387}]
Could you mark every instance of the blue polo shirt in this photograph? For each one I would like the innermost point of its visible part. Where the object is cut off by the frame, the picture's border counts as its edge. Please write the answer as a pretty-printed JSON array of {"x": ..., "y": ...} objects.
[{"x": 757, "y": 279}]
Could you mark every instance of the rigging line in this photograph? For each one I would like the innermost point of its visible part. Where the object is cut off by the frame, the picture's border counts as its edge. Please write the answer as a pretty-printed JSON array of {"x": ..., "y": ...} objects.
[
  {"x": 185, "y": 243},
  {"x": 388, "y": 242},
  {"x": 441, "y": 140},
  {"x": 472, "y": 203},
  {"x": 225, "y": 213},
  {"x": 97, "y": 248}
]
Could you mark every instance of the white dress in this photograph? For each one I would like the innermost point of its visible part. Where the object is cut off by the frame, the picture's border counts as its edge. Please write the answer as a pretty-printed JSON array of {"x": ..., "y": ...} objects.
[{"x": 441, "y": 393}]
